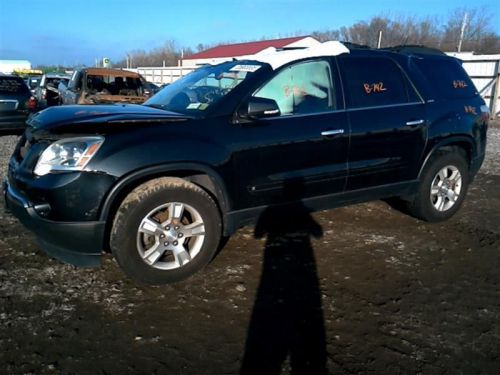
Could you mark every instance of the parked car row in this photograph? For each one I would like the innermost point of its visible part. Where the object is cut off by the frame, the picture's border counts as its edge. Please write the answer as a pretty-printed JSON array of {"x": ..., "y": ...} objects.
[
  {"x": 16, "y": 103},
  {"x": 99, "y": 86},
  {"x": 19, "y": 98},
  {"x": 47, "y": 92}
]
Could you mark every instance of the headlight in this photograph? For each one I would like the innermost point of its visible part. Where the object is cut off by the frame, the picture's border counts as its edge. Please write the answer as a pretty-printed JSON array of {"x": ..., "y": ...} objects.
[{"x": 71, "y": 154}]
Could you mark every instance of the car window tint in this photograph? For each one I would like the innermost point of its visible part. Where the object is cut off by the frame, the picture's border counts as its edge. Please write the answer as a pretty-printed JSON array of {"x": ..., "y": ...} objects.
[
  {"x": 373, "y": 81},
  {"x": 12, "y": 85},
  {"x": 301, "y": 88},
  {"x": 447, "y": 77}
]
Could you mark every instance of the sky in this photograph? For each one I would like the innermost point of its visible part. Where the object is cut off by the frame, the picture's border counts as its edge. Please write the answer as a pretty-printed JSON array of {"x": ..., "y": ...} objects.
[{"x": 75, "y": 32}]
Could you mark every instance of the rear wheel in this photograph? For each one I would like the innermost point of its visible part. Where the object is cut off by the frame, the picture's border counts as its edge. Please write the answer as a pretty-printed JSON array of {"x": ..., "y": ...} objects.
[
  {"x": 442, "y": 188},
  {"x": 165, "y": 230}
]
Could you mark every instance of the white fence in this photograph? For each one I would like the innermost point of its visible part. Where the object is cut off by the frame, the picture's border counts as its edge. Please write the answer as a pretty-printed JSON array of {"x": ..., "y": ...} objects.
[{"x": 162, "y": 75}]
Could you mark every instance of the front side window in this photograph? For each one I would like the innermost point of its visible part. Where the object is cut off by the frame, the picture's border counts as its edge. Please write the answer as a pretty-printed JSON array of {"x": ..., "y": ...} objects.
[
  {"x": 373, "y": 81},
  {"x": 300, "y": 89}
]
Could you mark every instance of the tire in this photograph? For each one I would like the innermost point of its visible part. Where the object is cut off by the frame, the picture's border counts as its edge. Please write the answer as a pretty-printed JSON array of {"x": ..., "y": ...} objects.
[
  {"x": 165, "y": 230},
  {"x": 442, "y": 188}
]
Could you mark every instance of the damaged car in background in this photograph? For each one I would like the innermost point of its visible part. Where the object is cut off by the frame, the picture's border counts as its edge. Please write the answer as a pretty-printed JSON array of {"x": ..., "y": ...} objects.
[
  {"x": 47, "y": 92},
  {"x": 103, "y": 86}
]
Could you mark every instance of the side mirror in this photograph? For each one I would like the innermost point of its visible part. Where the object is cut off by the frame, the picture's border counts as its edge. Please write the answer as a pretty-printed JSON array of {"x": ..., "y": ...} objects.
[{"x": 260, "y": 108}]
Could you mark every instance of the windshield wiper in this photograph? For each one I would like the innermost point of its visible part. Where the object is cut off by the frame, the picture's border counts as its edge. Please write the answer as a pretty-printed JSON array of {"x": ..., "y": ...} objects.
[{"x": 159, "y": 106}]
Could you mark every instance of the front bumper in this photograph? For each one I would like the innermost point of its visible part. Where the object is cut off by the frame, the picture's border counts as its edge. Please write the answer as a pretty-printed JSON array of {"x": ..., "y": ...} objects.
[
  {"x": 78, "y": 243},
  {"x": 13, "y": 122}
]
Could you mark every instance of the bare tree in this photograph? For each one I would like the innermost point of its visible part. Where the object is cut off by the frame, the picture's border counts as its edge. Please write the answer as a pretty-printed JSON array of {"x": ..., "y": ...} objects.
[
  {"x": 479, "y": 36},
  {"x": 167, "y": 54},
  {"x": 430, "y": 31}
]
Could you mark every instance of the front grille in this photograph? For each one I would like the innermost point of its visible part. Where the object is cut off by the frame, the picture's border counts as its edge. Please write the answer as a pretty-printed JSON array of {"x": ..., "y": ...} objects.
[{"x": 8, "y": 105}]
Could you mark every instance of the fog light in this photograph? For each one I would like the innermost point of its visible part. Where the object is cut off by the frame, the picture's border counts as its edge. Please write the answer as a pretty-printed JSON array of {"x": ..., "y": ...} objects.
[{"x": 42, "y": 209}]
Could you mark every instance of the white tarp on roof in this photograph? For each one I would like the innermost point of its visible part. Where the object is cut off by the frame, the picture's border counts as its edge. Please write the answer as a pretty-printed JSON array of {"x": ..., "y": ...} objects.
[{"x": 280, "y": 58}]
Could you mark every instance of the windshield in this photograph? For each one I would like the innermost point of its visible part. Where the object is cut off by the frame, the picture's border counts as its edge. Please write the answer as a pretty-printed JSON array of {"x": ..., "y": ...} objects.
[
  {"x": 201, "y": 89},
  {"x": 114, "y": 85}
]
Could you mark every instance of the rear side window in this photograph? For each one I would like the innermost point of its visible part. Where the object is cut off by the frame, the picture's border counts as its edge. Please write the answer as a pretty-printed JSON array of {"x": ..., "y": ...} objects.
[
  {"x": 447, "y": 78},
  {"x": 12, "y": 85},
  {"x": 374, "y": 81}
]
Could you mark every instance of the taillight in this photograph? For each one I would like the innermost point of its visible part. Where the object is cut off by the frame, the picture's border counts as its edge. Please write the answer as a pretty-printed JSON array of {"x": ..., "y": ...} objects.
[
  {"x": 31, "y": 103},
  {"x": 44, "y": 93},
  {"x": 485, "y": 113}
]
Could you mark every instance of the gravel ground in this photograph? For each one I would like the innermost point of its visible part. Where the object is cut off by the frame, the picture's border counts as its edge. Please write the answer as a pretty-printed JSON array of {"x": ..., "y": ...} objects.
[{"x": 361, "y": 289}]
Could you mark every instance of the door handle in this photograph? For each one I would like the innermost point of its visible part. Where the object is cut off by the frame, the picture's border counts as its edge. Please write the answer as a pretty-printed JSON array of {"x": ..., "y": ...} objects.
[
  {"x": 332, "y": 132},
  {"x": 415, "y": 123}
]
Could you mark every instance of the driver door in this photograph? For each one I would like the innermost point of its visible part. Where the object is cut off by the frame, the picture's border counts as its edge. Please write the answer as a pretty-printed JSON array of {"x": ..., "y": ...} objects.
[{"x": 303, "y": 148}]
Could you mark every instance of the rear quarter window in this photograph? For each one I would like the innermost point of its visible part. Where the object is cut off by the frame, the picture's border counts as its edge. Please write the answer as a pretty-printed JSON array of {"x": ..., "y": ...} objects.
[
  {"x": 12, "y": 85},
  {"x": 374, "y": 81},
  {"x": 446, "y": 78}
]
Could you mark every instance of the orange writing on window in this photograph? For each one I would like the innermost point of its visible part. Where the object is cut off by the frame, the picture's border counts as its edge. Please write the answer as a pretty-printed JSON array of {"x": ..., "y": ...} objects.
[
  {"x": 470, "y": 109},
  {"x": 294, "y": 90},
  {"x": 459, "y": 84},
  {"x": 374, "y": 87}
]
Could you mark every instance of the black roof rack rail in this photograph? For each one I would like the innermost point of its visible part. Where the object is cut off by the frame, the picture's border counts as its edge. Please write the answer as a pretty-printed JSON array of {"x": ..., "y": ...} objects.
[
  {"x": 414, "y": 49},
  {"x": 351, "y": 45}
]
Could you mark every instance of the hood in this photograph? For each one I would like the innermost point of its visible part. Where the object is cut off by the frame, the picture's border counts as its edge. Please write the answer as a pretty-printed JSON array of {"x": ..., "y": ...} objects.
[{"x": 69, "y": 118}]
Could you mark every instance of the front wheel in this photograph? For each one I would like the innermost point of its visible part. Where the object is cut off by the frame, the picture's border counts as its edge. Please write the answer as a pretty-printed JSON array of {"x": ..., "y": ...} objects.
[
  {"x": 165, "y": 230},
  {"x": 442, "y": 188}
]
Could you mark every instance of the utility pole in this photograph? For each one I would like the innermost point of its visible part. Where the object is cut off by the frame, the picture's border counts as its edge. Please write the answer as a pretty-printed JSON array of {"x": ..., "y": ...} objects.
[
  {"x": 462, "y": 32},
  {"x": 379, "y": 43}
]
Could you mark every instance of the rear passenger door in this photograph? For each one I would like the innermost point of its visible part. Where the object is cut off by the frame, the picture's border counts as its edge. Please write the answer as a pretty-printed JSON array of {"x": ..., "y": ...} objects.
[{"x": 388, "y": 122}]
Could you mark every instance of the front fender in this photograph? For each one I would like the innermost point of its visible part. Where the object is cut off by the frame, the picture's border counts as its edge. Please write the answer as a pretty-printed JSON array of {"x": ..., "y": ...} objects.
[{"x": 130, "y": 181}]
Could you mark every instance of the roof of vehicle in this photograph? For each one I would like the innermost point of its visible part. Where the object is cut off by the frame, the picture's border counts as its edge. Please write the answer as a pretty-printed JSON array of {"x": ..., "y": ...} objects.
[
  {"x": 279, "y": 58},
  {"x": 3, "y": 75},
  {"x": 57, "y": 75},
  {"x": 335, "y": 48},
  {"x": 111, "y": 72},
  {"x": 415, "y": 49}
]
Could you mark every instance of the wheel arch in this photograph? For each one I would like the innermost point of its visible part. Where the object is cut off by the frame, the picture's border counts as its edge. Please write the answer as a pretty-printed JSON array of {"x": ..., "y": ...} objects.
[
  {"x": 199, "y": 174},
  {"x": 449, "y": 144}
]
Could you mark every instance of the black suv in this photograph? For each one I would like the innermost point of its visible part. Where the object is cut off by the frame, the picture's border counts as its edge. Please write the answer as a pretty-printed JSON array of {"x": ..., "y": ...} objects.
[
  {"x": 160, "y": 184},
  {"x": 16, "y": 103}
]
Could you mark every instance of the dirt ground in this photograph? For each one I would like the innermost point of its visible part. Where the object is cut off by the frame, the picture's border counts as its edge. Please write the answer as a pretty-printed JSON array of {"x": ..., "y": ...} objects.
[{"x": 361, "y": 289}]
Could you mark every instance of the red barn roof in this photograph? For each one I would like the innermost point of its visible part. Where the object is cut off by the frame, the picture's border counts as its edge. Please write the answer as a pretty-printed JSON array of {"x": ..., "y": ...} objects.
[{"x": 241, "y": 49}]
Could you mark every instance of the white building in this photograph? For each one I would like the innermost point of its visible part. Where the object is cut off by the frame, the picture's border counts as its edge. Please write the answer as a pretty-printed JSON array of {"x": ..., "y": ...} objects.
[{"x": 9, "y": 66}]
